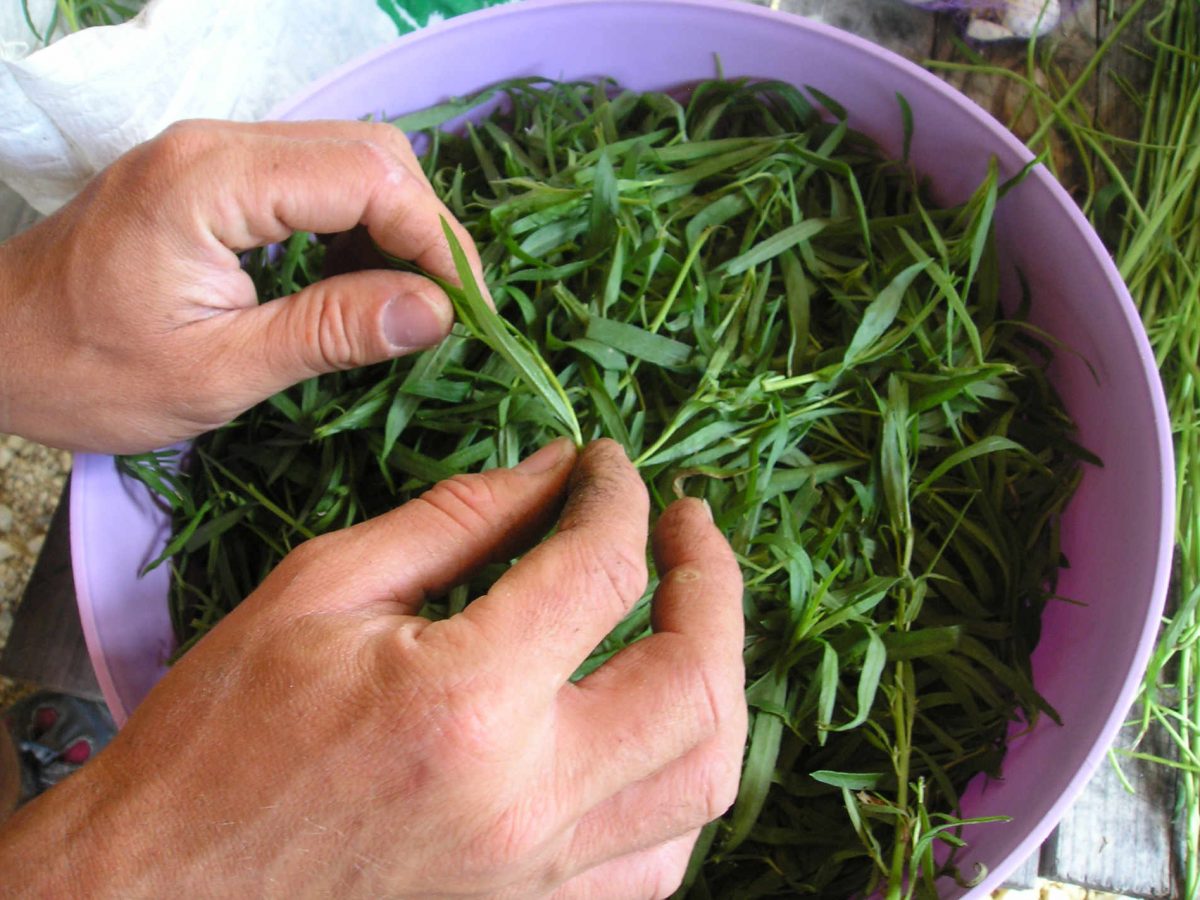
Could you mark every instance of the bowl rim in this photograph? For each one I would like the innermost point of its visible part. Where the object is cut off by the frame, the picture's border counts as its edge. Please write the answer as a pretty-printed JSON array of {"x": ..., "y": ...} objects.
[{"x": 84, "y": 469}]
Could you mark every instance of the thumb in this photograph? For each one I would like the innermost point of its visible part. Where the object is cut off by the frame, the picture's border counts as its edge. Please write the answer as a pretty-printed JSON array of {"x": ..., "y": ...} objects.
[{"x": 341, "y": 323}]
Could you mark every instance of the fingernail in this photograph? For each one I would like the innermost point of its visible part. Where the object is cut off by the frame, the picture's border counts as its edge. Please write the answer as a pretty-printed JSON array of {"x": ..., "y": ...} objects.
[
  {"x": 412, "y": 322},
  {"x": 707, "y": 509},
  {"x": 549, "y": 457}
]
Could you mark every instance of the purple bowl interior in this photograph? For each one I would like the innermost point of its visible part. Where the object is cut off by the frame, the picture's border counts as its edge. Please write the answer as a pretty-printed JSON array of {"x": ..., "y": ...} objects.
[{"x": 1117, "y": 532}]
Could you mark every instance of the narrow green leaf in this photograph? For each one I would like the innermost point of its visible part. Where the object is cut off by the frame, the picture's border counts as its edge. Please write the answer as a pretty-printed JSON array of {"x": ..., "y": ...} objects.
[
  {"x": 776, "y": 244},
  {"x": 991, "y": 444},
  {"x": 766, "y": 732},
  {"x": 874, "y": 660},
  {"x": 854, "y": 781},
  {"x": 638, "y": 343},
  {"x": 479, "y": 317},
  {"x": 880, "y": 314},
  {"x": 827, "y": 681}
]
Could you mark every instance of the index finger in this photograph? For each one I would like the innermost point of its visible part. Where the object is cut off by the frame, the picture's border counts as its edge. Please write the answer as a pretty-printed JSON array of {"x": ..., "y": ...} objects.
[
  {"x": 395, "y": 142},
  {"x": 559, "y": 601},
  {"x": 264, "y": 181}
]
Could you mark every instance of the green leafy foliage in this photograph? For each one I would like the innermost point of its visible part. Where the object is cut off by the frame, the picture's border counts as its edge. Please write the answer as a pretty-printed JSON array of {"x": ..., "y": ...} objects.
[{"x": 763, "y": 311}]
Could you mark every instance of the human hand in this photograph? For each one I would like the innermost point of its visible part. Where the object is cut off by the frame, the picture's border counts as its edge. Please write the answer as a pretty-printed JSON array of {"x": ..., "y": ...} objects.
[
  {"x": 323, "y": 740},
  {"x": 129, "y": 323}
]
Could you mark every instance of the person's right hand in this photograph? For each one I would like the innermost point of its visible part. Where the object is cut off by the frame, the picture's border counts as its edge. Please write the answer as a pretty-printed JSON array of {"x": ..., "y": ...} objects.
[{"x": 323, "y": 740}]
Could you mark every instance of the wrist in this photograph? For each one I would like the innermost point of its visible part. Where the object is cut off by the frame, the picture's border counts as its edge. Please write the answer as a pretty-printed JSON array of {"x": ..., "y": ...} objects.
[
  {"x": 8, "y": 338},
  {"x": 37, "y": 358},
  {"x": 32, "y": 843},
  {"x": 89, "y": 836},
  {"x": 16, "y": 337}
]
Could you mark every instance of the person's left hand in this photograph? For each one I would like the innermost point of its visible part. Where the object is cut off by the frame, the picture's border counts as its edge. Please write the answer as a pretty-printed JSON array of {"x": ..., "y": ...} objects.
[{"x": 129, "y": 323}]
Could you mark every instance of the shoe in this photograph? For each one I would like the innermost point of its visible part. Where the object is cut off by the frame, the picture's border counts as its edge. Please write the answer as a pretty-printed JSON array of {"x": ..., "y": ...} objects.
[{"x": 54, "y": 735}]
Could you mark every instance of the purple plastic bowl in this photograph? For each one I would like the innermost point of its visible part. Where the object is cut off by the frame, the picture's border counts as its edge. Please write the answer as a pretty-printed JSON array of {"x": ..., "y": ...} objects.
[{"x": 1118, "y": 530}]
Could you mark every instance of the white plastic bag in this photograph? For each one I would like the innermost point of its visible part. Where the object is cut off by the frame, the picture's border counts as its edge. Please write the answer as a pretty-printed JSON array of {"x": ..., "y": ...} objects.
[{"x": 70, "y": 109}]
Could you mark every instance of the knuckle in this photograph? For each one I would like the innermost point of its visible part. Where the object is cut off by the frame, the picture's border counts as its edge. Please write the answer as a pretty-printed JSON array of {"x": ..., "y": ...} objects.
[
  {"x": 466, "y": 735},
  {"x": 147, "y": 176},
  {"x": 375, "y": 157},
  {"x": 509, "y": 841},
  {"x": 463, "y": 502},
  {"x": 665, "y": 874},
  {"x": 301, "y": 569},
  {"x": 719, "y": 766},
  {"x": 328, "y": 334},
  {"x": 184, "y": 141},
  {"x": 464, "y": 718},
  {"x": 722, "y": 787},
  {"x": 470, "y": 725},
  {"x": 620, "y": 571},
  {"x": 388, "y": 136},
  {"x": 556, "y": 873},
  {"x": 306, "y": 555},
  {"x": 708, "y": 695}
]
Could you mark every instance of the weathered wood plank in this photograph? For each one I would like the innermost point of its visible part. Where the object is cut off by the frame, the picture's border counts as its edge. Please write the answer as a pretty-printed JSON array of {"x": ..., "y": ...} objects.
[
  {"x": 1124, "y": 75},
  {"x": 1113, "y": 840},
  {"x": 46, "y": 646},
  {"x": 1025, "y": 877}
]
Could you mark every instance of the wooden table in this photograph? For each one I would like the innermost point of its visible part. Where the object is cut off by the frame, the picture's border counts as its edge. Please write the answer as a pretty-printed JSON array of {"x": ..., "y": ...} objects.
[{"x": 1109, "y": 840}]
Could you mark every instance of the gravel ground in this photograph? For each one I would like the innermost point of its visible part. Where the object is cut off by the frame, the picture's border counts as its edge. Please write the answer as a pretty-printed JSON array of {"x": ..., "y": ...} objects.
[{"x": 31, "y": 481}]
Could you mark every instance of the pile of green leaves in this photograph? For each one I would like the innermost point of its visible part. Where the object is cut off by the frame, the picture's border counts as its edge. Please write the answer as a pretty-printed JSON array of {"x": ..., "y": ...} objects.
[{"x": 766, "y": 313}]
